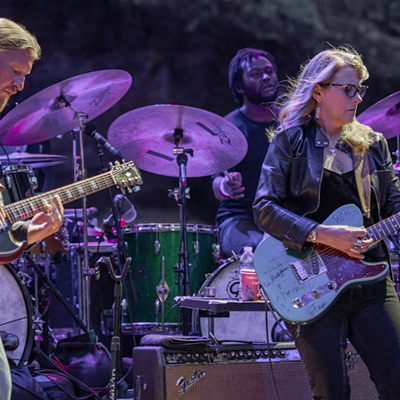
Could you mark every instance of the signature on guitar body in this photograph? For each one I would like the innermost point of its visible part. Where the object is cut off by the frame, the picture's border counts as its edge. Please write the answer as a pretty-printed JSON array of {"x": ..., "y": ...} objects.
[
  {"x": 124, "y": 175},
  {"x": 302, "y": 286}
]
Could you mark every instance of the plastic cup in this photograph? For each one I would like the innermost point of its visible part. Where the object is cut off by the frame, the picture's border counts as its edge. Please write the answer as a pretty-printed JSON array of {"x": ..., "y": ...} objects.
[{"x": 250, "y": 285}]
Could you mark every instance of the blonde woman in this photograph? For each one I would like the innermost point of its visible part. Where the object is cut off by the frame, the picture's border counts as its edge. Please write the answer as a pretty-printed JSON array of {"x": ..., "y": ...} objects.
[{"x": 320, "y": 159}]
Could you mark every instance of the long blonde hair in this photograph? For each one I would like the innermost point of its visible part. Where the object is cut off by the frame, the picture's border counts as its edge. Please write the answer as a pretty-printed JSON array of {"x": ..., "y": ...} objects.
[
  {"x": 300, "y": 105},
  {"x": 14, "y": 36}
]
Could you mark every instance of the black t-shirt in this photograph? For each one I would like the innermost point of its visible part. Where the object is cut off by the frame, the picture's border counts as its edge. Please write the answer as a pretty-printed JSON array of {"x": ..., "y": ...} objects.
[
  {"x": 338, "y": 190},
  {"x": 249, "y": 167}
]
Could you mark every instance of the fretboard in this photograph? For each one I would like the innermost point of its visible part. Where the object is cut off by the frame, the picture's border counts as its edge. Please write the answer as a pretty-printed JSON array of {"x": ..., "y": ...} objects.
[
  {"x": 27, "y": 208},
  {"x": 384, "y": 228}
]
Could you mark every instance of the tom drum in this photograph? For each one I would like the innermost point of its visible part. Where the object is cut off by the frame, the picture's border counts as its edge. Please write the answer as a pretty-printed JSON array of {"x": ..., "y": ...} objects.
[{"x": 147, "y": 245}]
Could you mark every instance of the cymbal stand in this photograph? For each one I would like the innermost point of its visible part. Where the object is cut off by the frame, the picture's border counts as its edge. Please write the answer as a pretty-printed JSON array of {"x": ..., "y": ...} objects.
[
  {"x": 180, "y": 196},
  {"x": 87, "y": 272}
]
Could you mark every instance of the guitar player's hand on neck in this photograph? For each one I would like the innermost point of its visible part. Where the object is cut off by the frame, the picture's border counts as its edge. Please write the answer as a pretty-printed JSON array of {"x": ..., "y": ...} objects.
[{"x": 344, "y": 238}]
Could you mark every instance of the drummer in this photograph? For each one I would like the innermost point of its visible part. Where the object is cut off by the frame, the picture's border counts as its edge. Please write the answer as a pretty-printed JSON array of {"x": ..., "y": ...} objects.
[
  {"x": 253, "y": 80},
  {"x": 19, "y": 49}
]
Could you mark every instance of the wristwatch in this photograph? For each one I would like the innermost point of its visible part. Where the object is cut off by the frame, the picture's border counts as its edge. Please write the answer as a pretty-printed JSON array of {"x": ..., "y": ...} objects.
[{"x": 312, "y": 236}]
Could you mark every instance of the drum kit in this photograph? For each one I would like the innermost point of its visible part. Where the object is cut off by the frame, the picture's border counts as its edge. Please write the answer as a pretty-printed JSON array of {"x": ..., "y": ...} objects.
[{"x": 169, "y": 140}]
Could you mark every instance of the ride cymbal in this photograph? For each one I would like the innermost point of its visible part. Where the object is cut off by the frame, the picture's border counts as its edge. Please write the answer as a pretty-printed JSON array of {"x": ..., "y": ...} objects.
[
  {"x": 384, "y": 116},
  {"x": 146, "y": 136},
  {"x": 54, "y": 110}
]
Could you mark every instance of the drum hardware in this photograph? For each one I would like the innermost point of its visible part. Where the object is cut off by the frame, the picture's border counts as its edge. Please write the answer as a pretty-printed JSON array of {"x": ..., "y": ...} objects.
[
  {"x": 16, "y": 316},
  {"x": 157, "y": 246},
  {"x": 143, "y": 316},
  {"x": 150, "y": 135},
  {"x": 46, "y": 281},
  {"x": 20, "y": 183},
  {"x": 32, "y": 160},
  {"x": 162, "y": 293},
  {"x": 121, "y": 207},
  {"x": 115, "y": 341},
  {"x": 59, "y": 109},
  {"x": 157, "y": 309},
  {"x": 54, "y": 248}
]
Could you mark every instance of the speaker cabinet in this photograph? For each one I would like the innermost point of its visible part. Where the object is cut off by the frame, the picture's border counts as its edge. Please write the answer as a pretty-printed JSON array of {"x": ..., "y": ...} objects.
[{"x": 233, "y": 372}]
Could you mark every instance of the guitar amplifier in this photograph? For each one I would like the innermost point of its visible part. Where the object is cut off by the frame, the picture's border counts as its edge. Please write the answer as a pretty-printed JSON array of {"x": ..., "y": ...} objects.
[{"x": 229, "y": 372}]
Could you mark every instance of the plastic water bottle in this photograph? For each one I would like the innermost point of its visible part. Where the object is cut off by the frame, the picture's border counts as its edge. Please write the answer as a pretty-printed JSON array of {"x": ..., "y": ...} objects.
[{"x": 249, "y": 285}]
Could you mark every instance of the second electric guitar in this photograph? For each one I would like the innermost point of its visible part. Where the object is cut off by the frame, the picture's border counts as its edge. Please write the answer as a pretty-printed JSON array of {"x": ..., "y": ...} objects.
[{"x": 302, "y": 286}]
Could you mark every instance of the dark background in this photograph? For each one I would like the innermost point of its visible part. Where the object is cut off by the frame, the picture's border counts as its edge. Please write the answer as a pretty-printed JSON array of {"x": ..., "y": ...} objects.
[{"x": 178, "y": 52}]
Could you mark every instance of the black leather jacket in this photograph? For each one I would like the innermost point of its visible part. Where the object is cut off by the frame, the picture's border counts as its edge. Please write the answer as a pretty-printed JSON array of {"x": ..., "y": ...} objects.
[{"x": 290, "y": 180}]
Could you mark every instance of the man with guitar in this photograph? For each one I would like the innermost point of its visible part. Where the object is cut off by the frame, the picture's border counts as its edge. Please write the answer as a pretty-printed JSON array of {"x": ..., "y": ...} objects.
[
  {"x": 19, "y": 49},
  {"x": 325, "y": 268}
]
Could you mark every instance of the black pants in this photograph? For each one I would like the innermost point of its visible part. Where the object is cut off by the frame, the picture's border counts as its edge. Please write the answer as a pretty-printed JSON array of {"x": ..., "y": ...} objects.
[{"x": 369, "y": 316}]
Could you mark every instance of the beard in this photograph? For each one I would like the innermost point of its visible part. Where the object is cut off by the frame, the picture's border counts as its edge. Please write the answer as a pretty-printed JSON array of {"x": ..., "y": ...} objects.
[{"x": 258, "y": 98}]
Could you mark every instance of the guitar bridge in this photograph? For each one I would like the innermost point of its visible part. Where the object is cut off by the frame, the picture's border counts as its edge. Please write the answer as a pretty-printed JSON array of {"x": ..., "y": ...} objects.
[{"x": 308, "y": 267}]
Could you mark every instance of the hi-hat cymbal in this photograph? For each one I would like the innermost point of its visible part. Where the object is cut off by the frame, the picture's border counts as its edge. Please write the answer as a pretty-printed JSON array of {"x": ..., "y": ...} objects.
[
  {"x": 384, "y": 116},
  {"x": 51, "y": 112},
  {"x": 146, "y": 136},
  {"x": 32, "y": 160}
]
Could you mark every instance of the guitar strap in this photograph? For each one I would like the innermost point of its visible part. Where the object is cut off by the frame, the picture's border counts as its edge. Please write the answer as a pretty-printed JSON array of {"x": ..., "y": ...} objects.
[{"x": 363, "y": 181}]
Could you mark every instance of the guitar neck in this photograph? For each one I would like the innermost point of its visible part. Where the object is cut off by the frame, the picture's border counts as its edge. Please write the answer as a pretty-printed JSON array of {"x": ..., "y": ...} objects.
[
  {"x": 384, "y": 228},
  {"x": 27, "y": 208}
]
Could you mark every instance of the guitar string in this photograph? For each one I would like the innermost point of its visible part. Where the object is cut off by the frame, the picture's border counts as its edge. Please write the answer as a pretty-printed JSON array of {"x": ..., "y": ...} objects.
[{"x": 28, "y": 207}]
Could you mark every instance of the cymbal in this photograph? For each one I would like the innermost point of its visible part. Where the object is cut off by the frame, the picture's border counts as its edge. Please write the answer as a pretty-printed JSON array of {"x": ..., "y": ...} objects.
[
  {"x": 146, "y": 136},
  {"x": 384, "y": 116},
  {"x": 51, "y": 112},
  {"x": 32, "y": 160}
]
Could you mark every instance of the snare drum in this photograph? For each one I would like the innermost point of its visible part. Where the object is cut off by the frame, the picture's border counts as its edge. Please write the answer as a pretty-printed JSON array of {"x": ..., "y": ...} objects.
[
  {"x": 241, "y": 326},
  {"x": 147, "y": 245},
  {"x": 16, "y": 316}
]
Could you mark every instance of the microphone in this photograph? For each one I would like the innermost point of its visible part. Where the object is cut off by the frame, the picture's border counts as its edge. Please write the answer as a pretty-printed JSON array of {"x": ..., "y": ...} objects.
[
  {"x": 91, "y": 130},
  {"x": 126, "y": 211}
]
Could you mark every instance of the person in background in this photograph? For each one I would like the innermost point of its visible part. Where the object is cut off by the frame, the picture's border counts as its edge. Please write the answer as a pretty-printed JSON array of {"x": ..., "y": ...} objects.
[
  {"x": 253, "y": 80},
  {"x": 19, "y": 49},
  {"x": 320, "y": 159}
]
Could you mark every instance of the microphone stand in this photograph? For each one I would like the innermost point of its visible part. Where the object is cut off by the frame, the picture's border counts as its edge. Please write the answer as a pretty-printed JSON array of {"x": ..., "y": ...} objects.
[
  {"x": 120, "y": 242},
  {"x": 121, "y": 247}
]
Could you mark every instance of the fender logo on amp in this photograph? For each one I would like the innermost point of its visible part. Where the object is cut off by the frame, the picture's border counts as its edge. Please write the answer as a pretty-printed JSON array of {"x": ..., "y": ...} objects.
[{"x": 189, "y": 382}]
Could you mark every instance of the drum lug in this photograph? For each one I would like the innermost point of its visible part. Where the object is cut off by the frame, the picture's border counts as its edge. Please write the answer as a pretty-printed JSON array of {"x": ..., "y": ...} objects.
[
  {"x": 196, "y": 244},
  {"x": 196, "y": 247},
  {"x": 157, "y": 246}
]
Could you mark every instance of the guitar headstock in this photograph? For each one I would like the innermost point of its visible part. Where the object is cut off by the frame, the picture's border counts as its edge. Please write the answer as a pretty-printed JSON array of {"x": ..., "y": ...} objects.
[{"x": 126, "y": 175}]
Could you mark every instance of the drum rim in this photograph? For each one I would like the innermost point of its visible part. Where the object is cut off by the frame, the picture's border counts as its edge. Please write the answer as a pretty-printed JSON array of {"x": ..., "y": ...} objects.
[
  {"x": 17, "y": 168},
  {"x": 215, "y": 273},
  {"x": 169, "y": 227}
]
